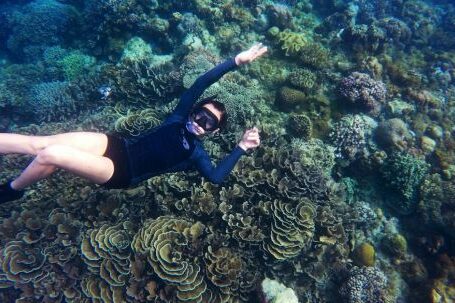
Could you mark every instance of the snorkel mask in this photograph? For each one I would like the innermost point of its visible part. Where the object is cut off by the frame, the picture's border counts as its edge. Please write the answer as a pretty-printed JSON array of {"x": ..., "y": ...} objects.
[{"x": 204, "y": 117}]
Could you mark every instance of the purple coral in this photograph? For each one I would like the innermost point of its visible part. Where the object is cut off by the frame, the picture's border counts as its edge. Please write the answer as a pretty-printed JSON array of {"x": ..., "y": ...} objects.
[
  {"x": 365, "y": 284},
  {"x": 362, "y": 90}
]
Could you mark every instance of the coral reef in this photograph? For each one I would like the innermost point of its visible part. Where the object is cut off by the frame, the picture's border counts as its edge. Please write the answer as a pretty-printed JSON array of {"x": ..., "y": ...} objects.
[
  {"x": 314, "y": 55},
  {"x": 393, "y": 134},
  {"x": 303, "y": 79},
  {"x": 290, "y": 98},
  {"x": 364, "y": 92},
  {"x": 292, "y": 229},
  {"x": 364, "y": 255},
  {"x": 436, "y": 203},
  {"x": 352, "y": 136},
  {"x": 135, "y": 123},
  {"x": 106, "y": 252},
  {"x": 75, "y": 63},
  {"x": 39, "y": 24},
  {"x": 291, "y": 42},
  {"x": 299, "y": 210},
  {"x": 315, "y": 153},
  {"x": 403, "y": 173},
  {"x": 276, "y": 292},
  {"x": 300, "y": 125},
  {"x": 170, "y": 245},
  {"x": 365, "y": 284},
  {"x": 51, "y": 100}
]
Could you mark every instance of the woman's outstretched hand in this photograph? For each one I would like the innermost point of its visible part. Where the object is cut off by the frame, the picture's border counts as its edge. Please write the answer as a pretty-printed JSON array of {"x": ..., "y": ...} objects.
[
  {"x": 254, "y": 52},
  {"x": 250, "y": 139}
]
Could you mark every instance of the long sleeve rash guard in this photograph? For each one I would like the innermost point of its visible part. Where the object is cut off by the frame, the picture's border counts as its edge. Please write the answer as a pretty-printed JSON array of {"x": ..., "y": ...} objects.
[{"x": 171, "y": 148}]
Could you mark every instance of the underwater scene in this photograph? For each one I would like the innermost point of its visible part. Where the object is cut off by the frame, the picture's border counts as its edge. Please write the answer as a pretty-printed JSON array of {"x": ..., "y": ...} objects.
[{"x": 350, "y": 196}]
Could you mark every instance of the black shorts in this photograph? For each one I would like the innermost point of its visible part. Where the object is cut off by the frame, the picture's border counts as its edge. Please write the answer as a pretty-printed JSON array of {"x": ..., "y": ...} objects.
[{"x": 116, "y": 151}]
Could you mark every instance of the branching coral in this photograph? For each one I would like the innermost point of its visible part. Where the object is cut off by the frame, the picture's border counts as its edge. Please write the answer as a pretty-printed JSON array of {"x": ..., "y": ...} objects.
[
  {"x": 51, "y": 100},
  {"x": 351, "y": 137},
  {"x": 403, "y": 173},
  {"x": 301, "y": 126},
  {"x": 361, "y": 90},
  {"x": 315, "y": 55},
  {"x": 303, "y": 79},
  {"x": 40, "y": 24},
  {"x": 437, "y": 202},
  {"x": 365, "y": 284},
  {"x": 139, "y": 82},
  {"x": 315, "y": 153}
]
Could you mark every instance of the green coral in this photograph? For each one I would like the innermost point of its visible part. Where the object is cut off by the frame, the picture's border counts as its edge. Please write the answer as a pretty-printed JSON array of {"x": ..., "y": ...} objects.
[
  {"x": 396, "y": 245},
  {"x": 300, "y": 125},
  {"x": 76, "y": 63},
  {"x": 315, "y": 153},
  {"x": 314, "y": 55},
  {"x": 303, "y": 79},
  {"x": 136, "y": 50},
  {"x": 290, "y": 98},
  {"x": 403, "y": 174},
  {"x": 291, "y": 43}
]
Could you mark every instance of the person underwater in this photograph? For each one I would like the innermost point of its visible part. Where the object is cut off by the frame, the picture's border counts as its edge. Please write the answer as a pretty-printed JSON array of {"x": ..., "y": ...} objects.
[{"x": 114, "y": 161}]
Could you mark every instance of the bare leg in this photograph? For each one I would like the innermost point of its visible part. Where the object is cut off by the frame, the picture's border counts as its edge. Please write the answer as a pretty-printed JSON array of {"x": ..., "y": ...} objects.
[
  {"x": 94, "y": 143},
  {"x": 95, "y": 168}
]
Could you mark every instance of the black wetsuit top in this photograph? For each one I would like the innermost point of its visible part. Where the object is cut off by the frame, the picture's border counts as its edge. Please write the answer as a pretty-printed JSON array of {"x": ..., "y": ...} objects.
[{"x": 171, "y": 147}]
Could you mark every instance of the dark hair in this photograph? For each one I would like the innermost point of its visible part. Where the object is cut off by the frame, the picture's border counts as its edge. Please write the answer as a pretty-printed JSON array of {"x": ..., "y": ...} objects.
[{"x": 219, "y": 106}]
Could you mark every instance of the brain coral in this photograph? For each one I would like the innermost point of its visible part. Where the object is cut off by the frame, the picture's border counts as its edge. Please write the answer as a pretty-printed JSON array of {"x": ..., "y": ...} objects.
[{"x": 292, "y": 229}]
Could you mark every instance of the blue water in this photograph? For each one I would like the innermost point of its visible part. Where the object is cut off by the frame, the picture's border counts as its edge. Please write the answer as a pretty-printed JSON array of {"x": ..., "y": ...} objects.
[{"x": 350, "y": 196}]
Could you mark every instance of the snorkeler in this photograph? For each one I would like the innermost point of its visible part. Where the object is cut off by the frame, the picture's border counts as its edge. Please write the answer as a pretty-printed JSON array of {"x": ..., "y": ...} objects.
[{"x": 116, "y": 162}]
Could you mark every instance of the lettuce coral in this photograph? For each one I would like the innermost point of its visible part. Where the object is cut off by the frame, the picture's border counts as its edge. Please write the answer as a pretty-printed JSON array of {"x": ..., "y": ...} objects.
[
  {"x": 170, "y": 246},
  {"x": 292, "y": 229},
  {"x": 106, "y": 252}
]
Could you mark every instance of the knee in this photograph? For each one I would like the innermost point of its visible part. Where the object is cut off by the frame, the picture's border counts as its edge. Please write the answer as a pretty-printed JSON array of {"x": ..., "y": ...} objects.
[
  {"x": 50, "y": 155},
  {"x": 37, "y": 144}
]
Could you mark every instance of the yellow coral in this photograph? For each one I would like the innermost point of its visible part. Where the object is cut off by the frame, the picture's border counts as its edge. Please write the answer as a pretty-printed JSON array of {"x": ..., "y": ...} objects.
[
  {"x": 364, "y": 254},
  {"x": 291, "y": 42}
]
